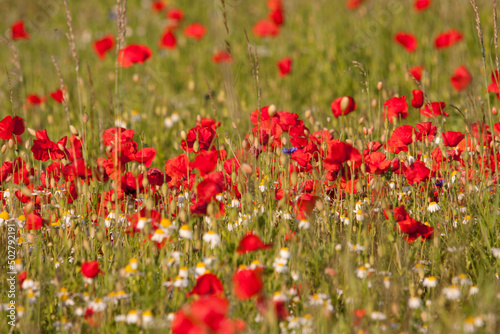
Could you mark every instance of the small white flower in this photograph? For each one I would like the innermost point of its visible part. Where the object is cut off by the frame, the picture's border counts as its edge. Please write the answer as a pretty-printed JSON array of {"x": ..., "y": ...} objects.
[
  {"x": 132, "y": 317},
  {"x": 285, "y": 253},
  {"x": 414, "y": 302},
  {"x": 98, "y": 305},
  {"x": 212, "y": 238},
  {"x": 496, "y": 252},
  {"x": 185, "y": 232},
  {"x": 169, "y": 123},
  {"x": 304, "y": 224},
  {"x": 452, "y": 292},
  {"x": 474, "y": 290},
  {"x": 159, "y": 236},
  {"x": 433, "y": 207},
  {"x": 378, "y": 316},
  {"x": 430, "y": 282},
  {"x": 361, "y": 272}
]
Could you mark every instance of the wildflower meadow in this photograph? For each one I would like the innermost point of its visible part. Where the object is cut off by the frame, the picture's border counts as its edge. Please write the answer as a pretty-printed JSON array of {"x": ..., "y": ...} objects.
[{"x": 238, "y": 166}]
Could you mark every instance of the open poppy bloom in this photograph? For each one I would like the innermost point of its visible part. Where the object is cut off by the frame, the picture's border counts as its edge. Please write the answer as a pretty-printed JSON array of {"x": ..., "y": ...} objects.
[
  {"x": 447, "y": 39},
  {"x": 58, "y": 96},
  {"x": 34, "y": 99},
  {"x": 353, "y": 4},
  {"x": 434, "y": 109},
  {"x": 158, "y": 6},
  {"x": 175, "y": 14},
  {"x": 285, "y": 66},
  {"x": 134, "y": 54},
  {"x": 18, "y": 31},
  {"x": 251, "y": 243},
  {"x": 91, "y": 269},
  {"x": 265, "y": 28},
  {"x": 222, "y": 57},
  {"x": 11, "y": 126},
  {"x": 103, "y": 45},
  {"x": 421, "y": 5},
  {"x": 461, "y": 79},
  {"x": 396, "y": 107},
  {"x": 195, "y": 30},
  {"x": 416, "y": 72},
  {"x": 207, "y": 285},
  {"x": 168, "y": 40},
  {"x": 452, "y": 138},
  {"x": 246, "y": 283},
  {"x": 407, "y": 40}
]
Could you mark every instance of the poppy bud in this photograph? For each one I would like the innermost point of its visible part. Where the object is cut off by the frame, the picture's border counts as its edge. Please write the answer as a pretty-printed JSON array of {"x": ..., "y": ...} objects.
[
  {"x": 374, "y": 103},
  {"x": 494, "y": 111},
  {"x": 73, "y": 130},
  {"x": 4, "y": 149},
  {"x": 247, "y": 169},
  {"x": 380, "y": 85},
  {"x": 271, "y": 110},
  {"x": 418, "y": 99},
  {"x": 344, "y": 103},
  {"x": 11, "y": 143},
  {"x": 183, "y": 135},
  {"x": 361, "y": 120},
  {"x": 85, "y": 118},
  {"x": 308, "y": 113}
]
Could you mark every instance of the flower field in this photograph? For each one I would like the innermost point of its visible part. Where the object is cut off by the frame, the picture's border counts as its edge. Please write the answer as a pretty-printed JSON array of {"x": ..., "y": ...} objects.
[{"x": 232, "y": 166}]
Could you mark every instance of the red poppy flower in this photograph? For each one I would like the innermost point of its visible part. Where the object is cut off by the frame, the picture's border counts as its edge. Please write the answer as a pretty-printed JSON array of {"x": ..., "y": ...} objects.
[
  {"x": 44, "y": 149},
  {"x": 251, "y": 243},
  {"x": 396, "y": 107},
  {"x": 338, "y": 153},
  {"x": 353, "y": 4},
  {"x": 401, "y": 137},
  {"x": 277, "y": 16},
  {"x": 11, "y": 126},
  {"x": 418, "y": 99},
  {"x": 461, "y": 78},
  {"x": 177, "y": 168},
  {"x": 377, "y": 163},
  {"x": 343, "y": 106},
  {"x": 417, "y": 172},
  {"x": 175, "y": 14},
  {"x": 407, "y": 40},
  {"x": 426, "y": 130},
  {"x": 168, "y": 40},
  {"x": 195, "y": 30},
  {"x": 246, "y": 283},
  {"x": 416, "y": 72},
  {"x": 222, "y": 57},
  {"x": 493, "y": 87},
  {"x": 133, "y": 54},
  {"x": 34, "y": 99},
  {"x": 158, "y": 6},
  {"x": 285, "y": 66},
  {"x": 421, "y": 5},
  {"x": 207, "y": 285},
  {"x": 434, "y": 109},
  {"x": 58, "y": 96},
  {"x": 103, "y": 45},
  {"x": 91, "y": 269},
  {"x": 265, "y": 28},
  {"x": 205, "y": 162},
  {"x": 451, "y": 138},
  {"x": 34, "y": 222},
  {"x": 18, "y": 31},
  {"x": 447, "y": 39}
]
